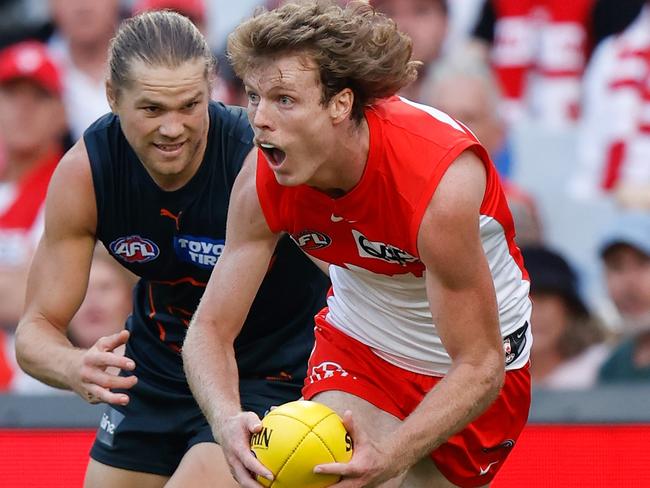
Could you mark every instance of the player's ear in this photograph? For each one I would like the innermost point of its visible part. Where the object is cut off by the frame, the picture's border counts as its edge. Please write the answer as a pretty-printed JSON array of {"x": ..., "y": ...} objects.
[
  {"x": 111, "y": 95},
  {"x": 340, "y": 105}
]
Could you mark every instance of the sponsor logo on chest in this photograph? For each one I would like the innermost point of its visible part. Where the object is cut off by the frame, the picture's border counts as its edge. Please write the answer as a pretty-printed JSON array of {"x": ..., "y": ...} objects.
[
  {"x": 134, "y": 249},
  {"x": 381, "y": 250},
  {"x": 201, "y": 251}
]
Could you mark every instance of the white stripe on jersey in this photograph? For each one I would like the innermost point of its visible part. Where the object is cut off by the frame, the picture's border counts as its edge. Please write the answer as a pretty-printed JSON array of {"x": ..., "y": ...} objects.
[
  {"x": 434, "y": 112},
  {"x": 391, "y": 314}
]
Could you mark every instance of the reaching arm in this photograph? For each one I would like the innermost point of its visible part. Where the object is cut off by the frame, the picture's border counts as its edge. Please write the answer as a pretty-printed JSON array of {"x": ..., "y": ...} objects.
[
  {"x": 56, "y": 286},
  {"x": 208, "y": 352}
]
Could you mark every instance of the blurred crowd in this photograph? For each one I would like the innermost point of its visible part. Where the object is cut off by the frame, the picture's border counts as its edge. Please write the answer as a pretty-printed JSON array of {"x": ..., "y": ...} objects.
[{"x": 581, "y": 66}]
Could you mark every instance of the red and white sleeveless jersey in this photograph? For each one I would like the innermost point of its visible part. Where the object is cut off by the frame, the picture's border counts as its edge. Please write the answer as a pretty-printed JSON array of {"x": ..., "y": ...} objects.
[
  {"x": 369, "y": 236},
  {"x": 539, "y": 54},
  {"x": 614, "y": 143}
]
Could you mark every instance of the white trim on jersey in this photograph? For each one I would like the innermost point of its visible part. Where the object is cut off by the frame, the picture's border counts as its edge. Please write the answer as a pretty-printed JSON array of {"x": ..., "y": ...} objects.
[
  {"x": 434, "y": 112},
  {"x": 391, "y": 314}
]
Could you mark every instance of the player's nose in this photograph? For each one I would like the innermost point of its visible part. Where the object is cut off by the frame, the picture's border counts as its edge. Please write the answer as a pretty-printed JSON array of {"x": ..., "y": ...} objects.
[
  {"x": 260, "y": 116},
  {"x": 171, "y": 126}
]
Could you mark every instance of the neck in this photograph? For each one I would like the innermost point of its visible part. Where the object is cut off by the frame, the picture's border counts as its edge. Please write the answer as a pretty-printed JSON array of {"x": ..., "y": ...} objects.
[{"x": 346, "y": 163}]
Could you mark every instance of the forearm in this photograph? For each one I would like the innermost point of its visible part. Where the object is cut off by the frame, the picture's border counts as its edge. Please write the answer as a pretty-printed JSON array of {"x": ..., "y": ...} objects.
[
  {"x": 45, "y": 353},
  {"x": 461, "y": 396},
  {"x": 212, "y": 373}
]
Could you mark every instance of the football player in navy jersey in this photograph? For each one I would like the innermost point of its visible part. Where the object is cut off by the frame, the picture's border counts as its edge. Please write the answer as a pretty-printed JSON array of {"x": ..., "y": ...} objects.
[{"x": 152, "y": 181}]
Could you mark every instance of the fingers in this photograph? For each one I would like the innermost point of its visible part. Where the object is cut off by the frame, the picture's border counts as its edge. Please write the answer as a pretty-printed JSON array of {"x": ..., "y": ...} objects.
[
  {"x": 95, "y": 376},
  {"x": 357, "y": 435},
  {"x": 103, "y": 360},
  {"x": 341, "y": 469},
  {"x": 244, "y": 477},
  {"x": 254, "y": 466},
  {"x": 97, "y": 394},
  {"x": 111, "y": 342},
  {"x": 96, "y": 382},
  {"x": 348, "y": 422},
  {"x": 253, "y": 422}
]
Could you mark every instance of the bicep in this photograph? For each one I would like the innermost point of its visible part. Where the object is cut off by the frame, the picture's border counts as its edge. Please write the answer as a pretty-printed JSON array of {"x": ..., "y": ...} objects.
[
  {"x": 58, "y": 275},
  {"x": 459, "y": 283}
]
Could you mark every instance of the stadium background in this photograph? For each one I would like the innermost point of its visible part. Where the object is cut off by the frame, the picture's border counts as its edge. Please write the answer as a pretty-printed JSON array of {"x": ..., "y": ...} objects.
[{"x": 597, "y": 438}]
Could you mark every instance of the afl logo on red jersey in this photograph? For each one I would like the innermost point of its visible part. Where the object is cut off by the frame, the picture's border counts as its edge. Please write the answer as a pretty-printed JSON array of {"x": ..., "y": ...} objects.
[
  {"x": 134, "y": 249},
  {"x": 310, "y": 240}
]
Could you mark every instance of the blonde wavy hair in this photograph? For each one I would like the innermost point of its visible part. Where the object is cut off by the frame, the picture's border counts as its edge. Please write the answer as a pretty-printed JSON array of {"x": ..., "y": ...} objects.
[{"x": 353, "y": 47}]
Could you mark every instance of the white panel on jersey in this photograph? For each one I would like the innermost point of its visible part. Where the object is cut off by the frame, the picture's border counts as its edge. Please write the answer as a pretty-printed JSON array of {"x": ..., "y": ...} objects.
[{"x": 391, "y": 314}]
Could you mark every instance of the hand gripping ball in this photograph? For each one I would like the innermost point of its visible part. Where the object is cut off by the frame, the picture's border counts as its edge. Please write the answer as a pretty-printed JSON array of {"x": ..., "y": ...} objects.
[{"x": 297, "y": 436}]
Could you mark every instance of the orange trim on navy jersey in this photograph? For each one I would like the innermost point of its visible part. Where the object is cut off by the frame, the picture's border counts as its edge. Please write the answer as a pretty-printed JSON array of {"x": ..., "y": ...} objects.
[{"x": 180, "y": 281}]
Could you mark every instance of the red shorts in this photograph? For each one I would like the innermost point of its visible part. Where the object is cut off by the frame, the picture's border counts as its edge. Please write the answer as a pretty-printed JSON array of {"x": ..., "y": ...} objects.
[{"x": 469, "y": 458}]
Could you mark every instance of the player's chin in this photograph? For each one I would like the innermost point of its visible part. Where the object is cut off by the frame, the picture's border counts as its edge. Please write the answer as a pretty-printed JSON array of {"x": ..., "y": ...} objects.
[{"x": 288, "y": 178}]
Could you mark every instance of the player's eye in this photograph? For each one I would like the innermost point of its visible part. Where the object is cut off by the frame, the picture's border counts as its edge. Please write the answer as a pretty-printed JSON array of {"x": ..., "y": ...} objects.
[
  {"x": 151, "y": 109},
  {"x": 253, "y": 98},
  {"x": 285, "y": 100}
]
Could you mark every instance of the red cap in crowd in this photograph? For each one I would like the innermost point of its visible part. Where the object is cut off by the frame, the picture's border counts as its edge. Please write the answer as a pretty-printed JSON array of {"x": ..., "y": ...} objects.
[
  {"x": 30, "y": 60},
  {"x": 194, "y": 9}
]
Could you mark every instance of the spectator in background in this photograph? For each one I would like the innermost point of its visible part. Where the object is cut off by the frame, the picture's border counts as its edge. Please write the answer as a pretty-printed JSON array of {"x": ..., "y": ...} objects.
[
  {"x": 614, "y": 145},
  {"x": 80, "y": 45},
  {"x": 32, "y": 122},
  {"x": 425, "y": 21},
  {"x": 625, "y": 251},
  {"x": 107, "y": 303},
  {"x": 539, "y": 49},
  {"x": 463, "y": 86},
  {"x": 569, "y": 345},
  {"x": 195, "y": 10}
]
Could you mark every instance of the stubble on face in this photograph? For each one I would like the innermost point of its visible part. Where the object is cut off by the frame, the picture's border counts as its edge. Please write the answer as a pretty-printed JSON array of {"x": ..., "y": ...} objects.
[{"x": 164, "y": 116}]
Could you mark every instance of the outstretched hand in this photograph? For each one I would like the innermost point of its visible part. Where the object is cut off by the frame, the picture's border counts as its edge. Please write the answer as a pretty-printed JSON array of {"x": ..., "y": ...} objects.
[
  {"x": 92, "y": 378},
  {"x": 235, "y": 441},
  {"x": 370, "y": 465}
]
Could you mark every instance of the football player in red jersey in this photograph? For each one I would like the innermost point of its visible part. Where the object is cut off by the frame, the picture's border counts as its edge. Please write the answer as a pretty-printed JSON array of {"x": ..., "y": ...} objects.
[{"x": 407, "y": 208}]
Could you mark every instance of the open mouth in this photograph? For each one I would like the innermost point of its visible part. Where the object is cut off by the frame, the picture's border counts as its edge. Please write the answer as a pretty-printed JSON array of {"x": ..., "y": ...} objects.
[
  {"x": 169, "y": 148},
  {"x": 274, "y": 155}
]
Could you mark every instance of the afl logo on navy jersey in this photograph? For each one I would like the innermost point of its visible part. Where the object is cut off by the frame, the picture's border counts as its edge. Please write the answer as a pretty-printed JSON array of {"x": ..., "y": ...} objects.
[
  {"x": 310, "y": 240},
  {"x": 134, "y": 249}
]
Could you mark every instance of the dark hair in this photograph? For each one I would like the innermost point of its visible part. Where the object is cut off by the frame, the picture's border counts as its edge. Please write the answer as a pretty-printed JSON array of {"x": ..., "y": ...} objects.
[
  {"x": 551, "y": 274},
  {"x": 160, "y": 38},
  {"x": 354, "y": 47}
]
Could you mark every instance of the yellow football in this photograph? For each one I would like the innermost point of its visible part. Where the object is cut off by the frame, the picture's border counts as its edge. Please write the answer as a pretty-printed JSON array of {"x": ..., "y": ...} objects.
[{"x": 297, "y": 436}]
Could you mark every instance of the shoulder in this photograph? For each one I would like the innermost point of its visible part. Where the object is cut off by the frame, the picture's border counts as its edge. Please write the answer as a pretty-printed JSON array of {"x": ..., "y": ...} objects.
[
  {"x": 402, "y": 119},
  {"x": 231, "y": 120},
  {"x": 71, "y": 195},
  {"x": 102, "y": 124},
  {"x": 451, "y": 218},
  {"x": 74, "y": 168}
]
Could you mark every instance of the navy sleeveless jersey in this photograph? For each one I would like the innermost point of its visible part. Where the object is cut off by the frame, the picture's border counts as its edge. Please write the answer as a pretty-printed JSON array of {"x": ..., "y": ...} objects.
[{"x": 172, "y": 239}]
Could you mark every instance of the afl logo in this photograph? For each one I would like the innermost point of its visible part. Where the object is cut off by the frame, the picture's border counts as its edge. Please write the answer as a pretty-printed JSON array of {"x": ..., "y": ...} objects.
[
  {"x": 310, "y": 240},
  {"x": 134, "y": 249}
]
